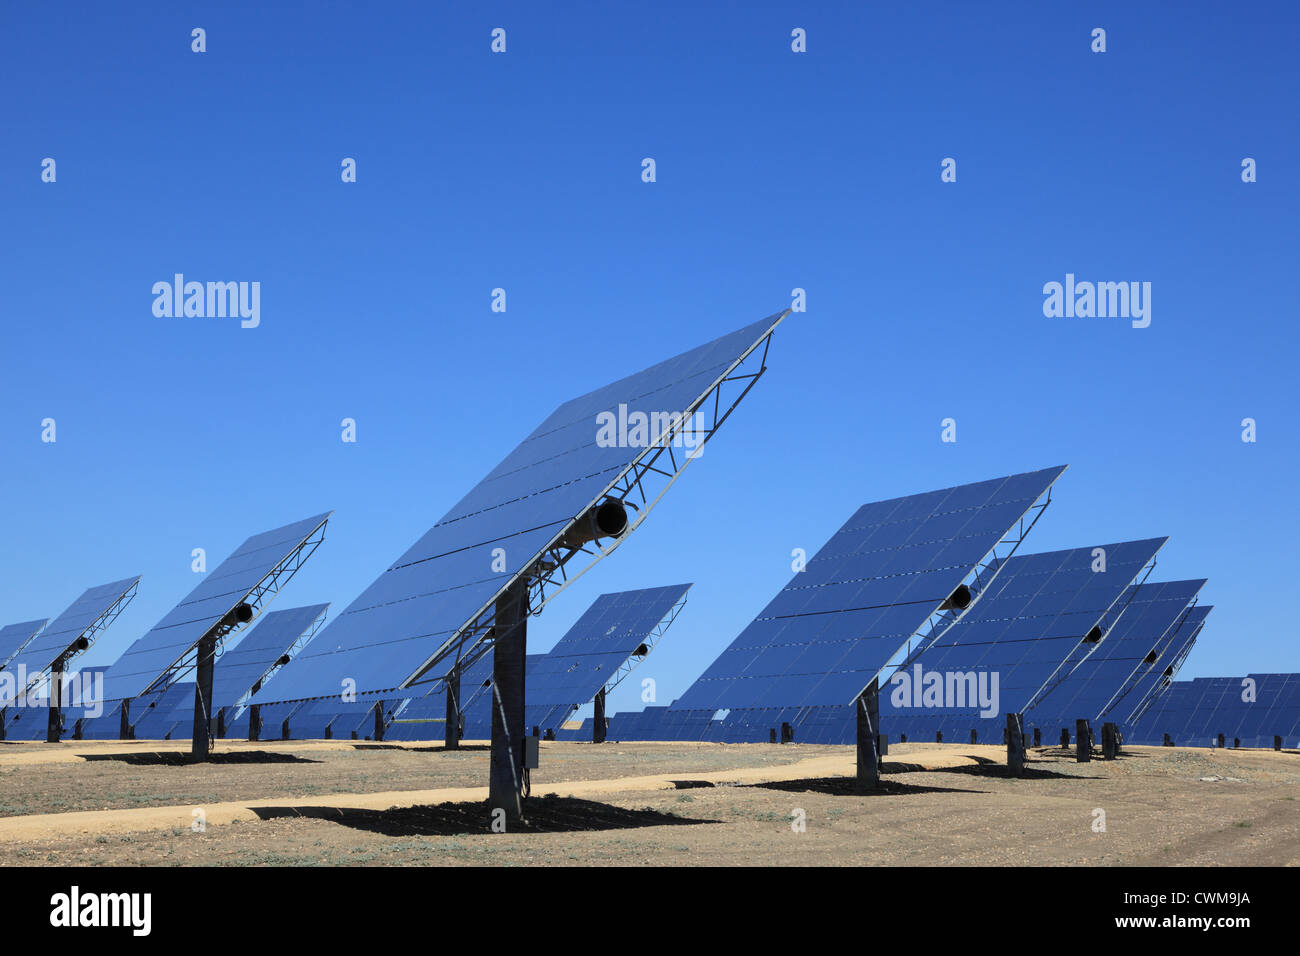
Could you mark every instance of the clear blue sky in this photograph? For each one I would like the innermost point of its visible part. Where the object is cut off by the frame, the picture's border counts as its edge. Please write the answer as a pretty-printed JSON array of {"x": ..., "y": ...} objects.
[{"x": 522, "y": 170}]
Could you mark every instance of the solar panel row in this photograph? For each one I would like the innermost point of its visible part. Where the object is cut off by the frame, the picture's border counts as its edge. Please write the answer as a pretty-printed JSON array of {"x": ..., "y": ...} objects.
[{"x": 861, "y": 598}]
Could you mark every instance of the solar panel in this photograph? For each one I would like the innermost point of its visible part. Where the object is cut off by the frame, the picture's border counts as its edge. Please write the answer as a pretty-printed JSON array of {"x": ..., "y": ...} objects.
[
  {"x": 1027, "y": 632},
  {"x": 89, "y": 614},
  {"x": 1131, "y": 649},
  {"x": 243, "y": 666},
  {"x": 873, "y": 587},
  {"x": 592, "y": 655},
  {"x": 261, "y": 563},
  {"x": 14, "y": 637},
  {"x": 1152, "y": 685},
  {"x": 441, "y": 592},
  {"x": 159, "y": 714}
]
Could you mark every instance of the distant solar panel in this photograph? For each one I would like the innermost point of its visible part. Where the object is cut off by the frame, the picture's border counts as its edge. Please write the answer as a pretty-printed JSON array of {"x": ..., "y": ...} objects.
[
  {"x": 14, "y": 637},
  {"x": 94, "y": 610},
  {"x": 1040, "y": 617},
  {"x": 254, "y": 565},
  {"x": 877, "y": 584},
  {"x": 610, "y": 443},
  {"x": 1151, "y": 686},
  {"x": 1131, "y": 649},
  {"x": 591, "y": 655},
  {"x": 162, "y": 713},
  {"x": 254, "y": 657}
]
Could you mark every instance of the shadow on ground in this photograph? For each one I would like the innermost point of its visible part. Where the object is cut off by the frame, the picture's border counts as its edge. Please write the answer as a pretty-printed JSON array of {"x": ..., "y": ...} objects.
[
  {"x": 544, "y": 815},
  {"x": 469, "y": 748},
  {"x": 848, "y": 787},
  {"x": 177, "y": 759},
  {"x": 994, "y": 769}
]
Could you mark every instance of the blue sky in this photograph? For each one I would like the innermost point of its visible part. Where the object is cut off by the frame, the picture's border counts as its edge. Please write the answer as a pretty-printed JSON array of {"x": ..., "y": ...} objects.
[{"x": 522, "y": 170}]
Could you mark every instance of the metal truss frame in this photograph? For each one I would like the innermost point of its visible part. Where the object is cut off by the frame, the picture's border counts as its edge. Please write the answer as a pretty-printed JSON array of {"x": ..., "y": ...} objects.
[
  {"x": 646, "y": 478},
  {"x": 258, "y": 597},
  {"x": 979, "y": 580}
]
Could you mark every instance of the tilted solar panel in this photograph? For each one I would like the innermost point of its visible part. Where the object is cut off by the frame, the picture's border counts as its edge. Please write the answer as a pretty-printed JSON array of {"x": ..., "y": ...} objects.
[
  {"x": 417, "y": 611},
  {"x": 584, "y": 660},
  {"x": 1024, "y": 635},
  {"x": 157, "y": 715},
  {"x": 82, "y": 617},
  {"x": 1133, "y": 646},
  {"x": 220, "y": 591},
  {"x": 242, "y": 666},
  {"x": 870, "y": 589},
  {"x": 1150, "y": 686},
  {"x": 14, "y": 637}
]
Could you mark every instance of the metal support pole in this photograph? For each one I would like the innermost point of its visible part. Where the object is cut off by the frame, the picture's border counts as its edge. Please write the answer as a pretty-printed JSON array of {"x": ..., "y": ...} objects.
[
  {"x": 1015, "y": 745},
  {"x": 868, "y": 708},
  {"x": 124, "y": 725},
  {"x": 201, "y": 743},
  {"x": 255, "y": 722},
  {"x": 379, "y": 720},
  {"x": 54, "y": 729},
  {"x": 451, "y": 733},
  {"x": 509, "y": 657},
  {"x": 598, "y": 720},
  {"x": 1082, "y": 741}
]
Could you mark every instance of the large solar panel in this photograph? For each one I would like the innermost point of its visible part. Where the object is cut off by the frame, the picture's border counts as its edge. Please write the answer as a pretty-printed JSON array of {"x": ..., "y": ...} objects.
[
  {"x": 1024, "y": 635},
  {"x": 870, "y": 589},
  {"x": 585, "y": 659},
  {"x": 1133, "y": 646},
  {"x": 83, "y": 617},
  {"x": 237, "y": 670},
  {"x": 220, "y": 591},
  {"x": 14, "y": 637},
  {"x": 420, "y": 608}
]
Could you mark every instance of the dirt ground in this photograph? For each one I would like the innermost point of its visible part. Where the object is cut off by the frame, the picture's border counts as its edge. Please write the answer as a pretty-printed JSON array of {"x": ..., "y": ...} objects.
[{"x": 348, "y": 803}]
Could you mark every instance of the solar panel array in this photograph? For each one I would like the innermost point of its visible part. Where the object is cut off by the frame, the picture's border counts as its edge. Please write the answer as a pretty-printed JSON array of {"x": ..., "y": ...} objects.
[
  {"x": 858, "y": 601},
  {"x": 220, "y": 591},
  {"x": 559, "y": 682},
  {"x": 61, "y": 633},
  {"x": 1016, "y": 640},
  {"x": 1099, "y": 686},
  {"x": 413, "y": 611},
  {"x": 1252, "y": 709}
]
